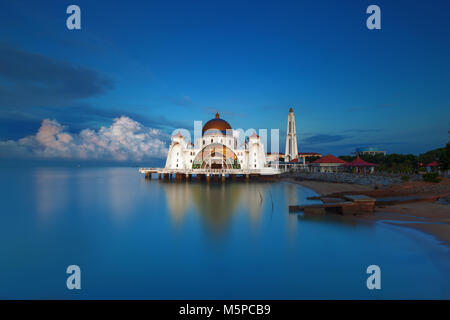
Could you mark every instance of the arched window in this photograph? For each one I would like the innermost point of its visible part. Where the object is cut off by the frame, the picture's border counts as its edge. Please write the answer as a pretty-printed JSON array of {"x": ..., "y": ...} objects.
[{"x": 216, "y": 154}]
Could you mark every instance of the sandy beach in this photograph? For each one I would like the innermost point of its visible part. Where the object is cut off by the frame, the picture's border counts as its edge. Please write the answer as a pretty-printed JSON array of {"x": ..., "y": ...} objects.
[{"x": 427, "y": 216}]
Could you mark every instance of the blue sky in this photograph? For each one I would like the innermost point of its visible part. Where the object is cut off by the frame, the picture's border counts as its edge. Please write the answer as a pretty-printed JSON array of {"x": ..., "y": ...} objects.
[{"x": 167, "y": 63}]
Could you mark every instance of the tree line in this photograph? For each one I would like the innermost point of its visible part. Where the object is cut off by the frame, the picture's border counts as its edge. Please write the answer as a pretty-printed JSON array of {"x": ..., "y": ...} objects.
[{"x": 407, "y": 163}]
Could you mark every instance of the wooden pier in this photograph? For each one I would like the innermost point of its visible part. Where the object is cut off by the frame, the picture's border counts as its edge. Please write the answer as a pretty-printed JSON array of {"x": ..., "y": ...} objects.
[
  {"x": 347, "y": 205},
  {"x": 386, "y": 201}
]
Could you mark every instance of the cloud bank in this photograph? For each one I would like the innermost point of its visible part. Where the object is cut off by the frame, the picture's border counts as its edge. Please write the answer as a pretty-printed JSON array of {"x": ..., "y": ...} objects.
[
  {"x": 124, "y": 140},
  {"x": 28, "y": 79}
]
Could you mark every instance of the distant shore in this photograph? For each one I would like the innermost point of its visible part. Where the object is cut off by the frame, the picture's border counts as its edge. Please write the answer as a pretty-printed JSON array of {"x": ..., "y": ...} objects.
[{"x": 434, "y": 217}]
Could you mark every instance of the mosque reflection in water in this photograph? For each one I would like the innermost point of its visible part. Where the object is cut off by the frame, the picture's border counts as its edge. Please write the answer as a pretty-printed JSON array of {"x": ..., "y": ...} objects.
[{"x": 217, "y": 203}]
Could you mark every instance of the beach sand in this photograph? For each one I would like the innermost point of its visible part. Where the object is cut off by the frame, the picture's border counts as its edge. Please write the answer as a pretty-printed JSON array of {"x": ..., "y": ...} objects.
[{"x": 433, "y": 218}]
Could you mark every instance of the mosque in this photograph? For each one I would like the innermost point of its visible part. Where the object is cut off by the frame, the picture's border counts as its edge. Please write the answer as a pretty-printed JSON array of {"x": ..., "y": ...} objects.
[{"x": 219, "y": 151}]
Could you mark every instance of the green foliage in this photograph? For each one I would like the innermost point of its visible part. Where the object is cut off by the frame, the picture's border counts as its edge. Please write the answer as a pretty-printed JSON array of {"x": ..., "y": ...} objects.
[
  {"x": 405, "y": 178},
  {"x": 431, "y": 177},
  {"x": 432, "y": 155},
  {"x": 394, "y": 163},
  {"x": 407, "y": 164},
  {"x": 347, "y": 158},
  {"x": 444, "y": 160}
]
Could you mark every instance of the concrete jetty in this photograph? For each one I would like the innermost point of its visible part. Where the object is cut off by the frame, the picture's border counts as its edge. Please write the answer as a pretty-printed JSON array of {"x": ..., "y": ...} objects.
[{"x": 347, "y": 205}]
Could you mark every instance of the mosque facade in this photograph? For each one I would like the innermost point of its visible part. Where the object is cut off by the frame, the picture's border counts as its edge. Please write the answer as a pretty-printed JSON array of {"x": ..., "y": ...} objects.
[
  {"x": 220, "y": 150},
  {"x": 217, "y": 150}
]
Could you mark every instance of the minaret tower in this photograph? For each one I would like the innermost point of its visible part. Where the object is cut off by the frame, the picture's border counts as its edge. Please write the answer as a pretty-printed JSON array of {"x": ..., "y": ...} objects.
[{"x": 291, "y": 152}]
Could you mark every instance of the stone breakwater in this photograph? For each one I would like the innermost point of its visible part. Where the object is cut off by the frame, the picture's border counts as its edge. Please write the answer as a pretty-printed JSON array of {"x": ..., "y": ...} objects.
[{"x": 374, "y": 180}]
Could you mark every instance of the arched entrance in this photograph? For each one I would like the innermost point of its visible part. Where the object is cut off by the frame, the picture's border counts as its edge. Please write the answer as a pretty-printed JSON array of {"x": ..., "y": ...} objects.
[{"x": 216, "y": 156}]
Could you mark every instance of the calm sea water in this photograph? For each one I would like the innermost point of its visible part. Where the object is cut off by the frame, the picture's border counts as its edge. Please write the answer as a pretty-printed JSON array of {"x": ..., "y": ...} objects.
[{"x": 138, "y": 239}]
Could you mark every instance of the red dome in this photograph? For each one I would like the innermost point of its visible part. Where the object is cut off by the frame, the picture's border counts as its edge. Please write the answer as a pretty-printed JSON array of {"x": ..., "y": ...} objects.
[{"x": 216, "y": 124}]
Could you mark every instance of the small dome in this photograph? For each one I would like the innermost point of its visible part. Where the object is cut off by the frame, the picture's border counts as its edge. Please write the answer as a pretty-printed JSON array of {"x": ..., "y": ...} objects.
[
  {"x": 216, "y": 124},
  {"x": 290, "y": 110},
  {"x": 178, "y": 134}
]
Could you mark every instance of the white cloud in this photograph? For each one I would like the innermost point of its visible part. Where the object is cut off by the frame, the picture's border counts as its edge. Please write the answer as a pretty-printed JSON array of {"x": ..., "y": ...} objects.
[{"x": 124, "y": 140}]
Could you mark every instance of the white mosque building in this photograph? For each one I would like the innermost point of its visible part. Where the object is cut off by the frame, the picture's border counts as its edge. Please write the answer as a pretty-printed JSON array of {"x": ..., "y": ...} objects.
[{"x": 220, "y": 151}]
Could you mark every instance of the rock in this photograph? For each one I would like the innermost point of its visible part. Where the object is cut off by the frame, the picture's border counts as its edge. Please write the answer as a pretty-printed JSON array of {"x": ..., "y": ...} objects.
[{"x": 380, "y": 182}]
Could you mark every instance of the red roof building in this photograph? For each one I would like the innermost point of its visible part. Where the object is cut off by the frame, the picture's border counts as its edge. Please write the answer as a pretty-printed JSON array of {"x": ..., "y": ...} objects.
[
  {"x": 330, "y": 159},
  {"x": 358, "y": 165},
  {"x": 328, "y": 163},
  {"x": 432, "y": 164},
  {"x": 358, "y": 162}
]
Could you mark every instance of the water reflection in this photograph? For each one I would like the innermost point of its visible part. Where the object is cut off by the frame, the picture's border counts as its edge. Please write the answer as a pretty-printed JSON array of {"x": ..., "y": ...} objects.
[
  {"x": 119, "y": 226},
  {"x": 119, "y": 196},
  {"x": 178, "y": 196},
  {"x": 216, "y": 203},
  {"x": 51, "y": 191},
  {"x": 291, "y": 193}
]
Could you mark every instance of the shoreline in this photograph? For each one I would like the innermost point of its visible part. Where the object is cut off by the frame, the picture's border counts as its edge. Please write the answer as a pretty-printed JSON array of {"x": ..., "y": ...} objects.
[{"x": 428, "y": 217}]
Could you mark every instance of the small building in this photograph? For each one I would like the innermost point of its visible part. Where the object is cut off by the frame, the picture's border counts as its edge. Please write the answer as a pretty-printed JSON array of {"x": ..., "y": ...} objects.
[
  {"x": 432, "y": 166},
  {"x": 360, "y": 166},
  {"x": 371, "y": 151},
  {"x": 293, "y": 166},
  {"x": 328, "y": 163}
]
